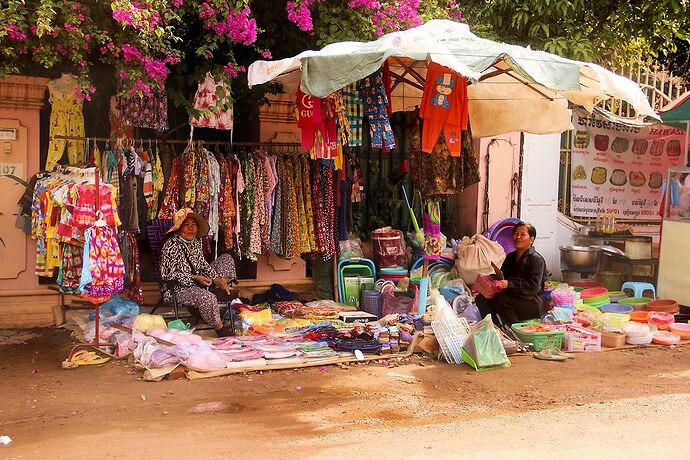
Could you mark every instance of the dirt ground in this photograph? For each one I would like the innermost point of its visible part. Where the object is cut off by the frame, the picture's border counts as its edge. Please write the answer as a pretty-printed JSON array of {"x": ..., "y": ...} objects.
[{"x": 609, "y": 404}]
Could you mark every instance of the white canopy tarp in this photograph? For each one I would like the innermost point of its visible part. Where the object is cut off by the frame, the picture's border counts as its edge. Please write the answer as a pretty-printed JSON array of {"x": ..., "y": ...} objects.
[{"x": 512, "y": 88}]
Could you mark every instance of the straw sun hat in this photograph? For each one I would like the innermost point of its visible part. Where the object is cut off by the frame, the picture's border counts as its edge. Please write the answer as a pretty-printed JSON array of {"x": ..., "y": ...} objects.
[{"x": 182, "y": 214}]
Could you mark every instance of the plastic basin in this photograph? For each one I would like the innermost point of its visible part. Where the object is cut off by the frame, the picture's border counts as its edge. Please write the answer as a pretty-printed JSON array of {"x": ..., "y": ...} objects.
[
  {"x": 594, "y": 292},
  {"x": 635, "y": 301},
  {"x": 598, "y": 301},
  {"x": 665, "y": 338},
  {"x": 681, "y": 329},
  {"x": 661, "y": 319},
  {"x": 615, "y": 319},
  {"x": 616, "y": 308},
  {"x": 662, "y": 305},
  {"x": 617, "y": 295},
  {"x": 639, "y": 316}
]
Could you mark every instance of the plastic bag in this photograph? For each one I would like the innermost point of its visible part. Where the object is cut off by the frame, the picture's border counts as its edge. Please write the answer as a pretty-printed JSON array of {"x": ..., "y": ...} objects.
[
  {"x": 392, "y": 304},
  {"x": 350, "y": 249},
  {"x": 483, "y": 348},
  {"x": 145, "y": 322},
  {"x": 474, "y": 256},
  {"x": 115, "y": 306}
]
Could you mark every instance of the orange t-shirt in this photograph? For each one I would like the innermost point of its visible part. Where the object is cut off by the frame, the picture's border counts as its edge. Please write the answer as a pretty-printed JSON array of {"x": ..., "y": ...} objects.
[{"x": 445, "y": 96}]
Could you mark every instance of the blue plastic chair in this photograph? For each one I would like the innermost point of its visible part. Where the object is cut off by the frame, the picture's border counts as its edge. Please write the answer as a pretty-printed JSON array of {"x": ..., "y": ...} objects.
[{"x": 639, "y": 288}]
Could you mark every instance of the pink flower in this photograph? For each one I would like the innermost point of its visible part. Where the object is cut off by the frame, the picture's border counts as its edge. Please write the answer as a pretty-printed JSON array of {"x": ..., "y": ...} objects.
[
  {"x": 81, "y": 17},
  {"x": 104, "y": 50},
  {"x": 34, "y": 29},
  {"x": 155, "y": 69},
  {"x": 14, "y": 34},
  {"x": 123, "y": 74},
  {"x": 92, "y": 89},
  {"x": 130, "y": 53},
  {"x": 231, "y": 70},
  {"x": 177, "y": 3},
  {"x": 300, "y": 15},
  {"x": 123, "y": 16},
  {"x": 82, "y": 63},
  {"x": 267, "y": 54}
]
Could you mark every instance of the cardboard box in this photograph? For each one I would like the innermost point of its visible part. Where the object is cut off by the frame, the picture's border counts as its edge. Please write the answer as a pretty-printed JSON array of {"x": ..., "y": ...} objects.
[{"x": 356, "y": 317}]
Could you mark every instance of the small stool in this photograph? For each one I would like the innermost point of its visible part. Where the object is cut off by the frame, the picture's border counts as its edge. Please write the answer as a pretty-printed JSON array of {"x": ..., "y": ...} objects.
[{"x": 638, "y": 288}]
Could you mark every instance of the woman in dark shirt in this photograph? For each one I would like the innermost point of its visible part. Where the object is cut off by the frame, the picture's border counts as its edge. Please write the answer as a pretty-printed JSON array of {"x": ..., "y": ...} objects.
[
  {"x": 184, "y": 269},
  {"x": 525, "y": 272}
]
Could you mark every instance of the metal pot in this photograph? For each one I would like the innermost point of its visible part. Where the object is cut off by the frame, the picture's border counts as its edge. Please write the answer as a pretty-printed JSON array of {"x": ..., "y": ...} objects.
[{"x": 581, "y": 259}]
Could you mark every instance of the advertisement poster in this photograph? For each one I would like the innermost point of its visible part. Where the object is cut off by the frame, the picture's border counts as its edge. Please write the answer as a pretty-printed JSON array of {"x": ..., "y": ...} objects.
[{"x": 619, "y": 169}]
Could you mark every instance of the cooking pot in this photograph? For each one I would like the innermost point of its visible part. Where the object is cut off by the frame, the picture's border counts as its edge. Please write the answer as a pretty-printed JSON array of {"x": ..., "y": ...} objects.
[{"x": 581, "y": 259}]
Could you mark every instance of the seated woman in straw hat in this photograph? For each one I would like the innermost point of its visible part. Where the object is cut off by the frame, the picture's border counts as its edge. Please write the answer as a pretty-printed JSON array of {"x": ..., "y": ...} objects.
[{"x": 182, "y": 261}]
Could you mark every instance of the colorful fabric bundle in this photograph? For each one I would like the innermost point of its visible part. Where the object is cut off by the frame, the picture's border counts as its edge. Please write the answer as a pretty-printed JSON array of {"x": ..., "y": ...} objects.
[{"x": 431, "y": 221}]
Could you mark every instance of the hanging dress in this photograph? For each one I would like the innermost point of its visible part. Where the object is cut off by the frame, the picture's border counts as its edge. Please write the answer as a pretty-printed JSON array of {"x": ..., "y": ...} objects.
[{"x": 66, "y": 119}]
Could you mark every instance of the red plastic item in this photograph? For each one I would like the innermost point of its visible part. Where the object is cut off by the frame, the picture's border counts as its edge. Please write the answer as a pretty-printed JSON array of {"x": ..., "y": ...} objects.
[
  {"x": 389, "y": 247},
  {"x": 660, "y": 319},
  {"x": 665, "y": 338},
  {"x": 593, "y": 292}
]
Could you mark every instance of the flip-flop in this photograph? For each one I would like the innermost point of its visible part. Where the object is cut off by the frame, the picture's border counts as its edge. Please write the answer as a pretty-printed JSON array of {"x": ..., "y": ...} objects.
[{"x": 84, "y": 358}]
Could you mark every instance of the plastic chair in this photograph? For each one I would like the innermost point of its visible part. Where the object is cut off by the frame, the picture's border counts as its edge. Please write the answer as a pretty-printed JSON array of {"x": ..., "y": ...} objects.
[
  {"x": 155, "y": 230},
  {"x": 639, "y": 288}
]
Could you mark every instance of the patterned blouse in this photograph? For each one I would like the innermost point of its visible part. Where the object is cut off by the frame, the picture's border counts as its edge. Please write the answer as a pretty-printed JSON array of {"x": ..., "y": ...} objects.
[{"x": 182, "y": 259}]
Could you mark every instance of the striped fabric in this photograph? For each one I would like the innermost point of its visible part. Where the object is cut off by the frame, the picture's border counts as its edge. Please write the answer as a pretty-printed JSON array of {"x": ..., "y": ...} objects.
[{"x": 354, "y": 111}]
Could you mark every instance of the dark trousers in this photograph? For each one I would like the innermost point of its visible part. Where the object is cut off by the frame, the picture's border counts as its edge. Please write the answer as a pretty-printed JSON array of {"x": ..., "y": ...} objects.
[{"x": 507, "y": 309}]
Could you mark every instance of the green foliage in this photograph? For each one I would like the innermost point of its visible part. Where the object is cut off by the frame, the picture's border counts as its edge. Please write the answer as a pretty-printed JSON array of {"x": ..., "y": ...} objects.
[{"x": 596, "y": 30}]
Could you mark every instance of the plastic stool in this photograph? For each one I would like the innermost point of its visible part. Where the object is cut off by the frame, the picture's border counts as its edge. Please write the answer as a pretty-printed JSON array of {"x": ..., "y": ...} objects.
[{"x": 638, "y": 288}]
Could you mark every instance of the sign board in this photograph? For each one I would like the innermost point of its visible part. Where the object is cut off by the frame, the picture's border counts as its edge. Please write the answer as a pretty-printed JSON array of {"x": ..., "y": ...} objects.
[
  {"x": 12, "y": 169},
  {"x": 619, "y": 169},
  {"x": 8, "y": 134}
]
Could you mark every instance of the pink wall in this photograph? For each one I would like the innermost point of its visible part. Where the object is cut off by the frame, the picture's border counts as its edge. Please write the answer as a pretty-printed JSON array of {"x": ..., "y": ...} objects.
[
  {"x": 22, "y": 98},
  {"x": 504, "y": 161}
]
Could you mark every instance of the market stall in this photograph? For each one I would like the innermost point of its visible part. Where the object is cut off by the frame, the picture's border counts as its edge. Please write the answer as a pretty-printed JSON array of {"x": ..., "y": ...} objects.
[{"x": 352, "y": 102}]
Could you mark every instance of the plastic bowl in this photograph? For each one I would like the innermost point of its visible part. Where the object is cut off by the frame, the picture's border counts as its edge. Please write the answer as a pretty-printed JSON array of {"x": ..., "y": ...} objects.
[
  {"x": 639, "y": 301},
  {"x": 642, "y": 340},
  {"x": 598, "y": 305},
  {"x": 636, "y": 330},
  {"x": 663, "y": 305},
  {"x": 665, "y": 338},
  {"x": 615, "y": 308},
  {"x": 594, "y": 292},
  {"x": 615, "y": 319},
  {"x": 599, "y": 301},
  {"x": 617, "y": 295},
  {"x": 639, "y": 316},
  {"x": 681, "y": 329},
  {"x": 660, "y": 319}
]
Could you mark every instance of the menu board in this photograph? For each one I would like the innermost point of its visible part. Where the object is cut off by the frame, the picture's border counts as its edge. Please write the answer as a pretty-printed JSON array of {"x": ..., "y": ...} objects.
[{"x": 619, "y": 169}]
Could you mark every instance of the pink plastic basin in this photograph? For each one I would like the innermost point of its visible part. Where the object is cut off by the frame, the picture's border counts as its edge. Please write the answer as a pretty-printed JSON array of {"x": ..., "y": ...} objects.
[{"x": 681, "y": 329}]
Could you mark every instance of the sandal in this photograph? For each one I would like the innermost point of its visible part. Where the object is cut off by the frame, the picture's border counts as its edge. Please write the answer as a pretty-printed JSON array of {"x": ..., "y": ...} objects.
[{"x": 83, "y": 358}]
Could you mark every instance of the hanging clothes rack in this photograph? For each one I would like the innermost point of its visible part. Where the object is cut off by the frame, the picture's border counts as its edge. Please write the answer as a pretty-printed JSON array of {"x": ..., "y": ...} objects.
[{"x": 289, "y": 146}]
